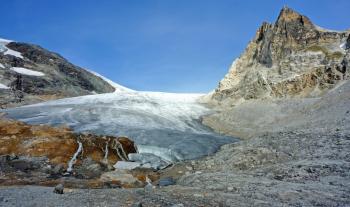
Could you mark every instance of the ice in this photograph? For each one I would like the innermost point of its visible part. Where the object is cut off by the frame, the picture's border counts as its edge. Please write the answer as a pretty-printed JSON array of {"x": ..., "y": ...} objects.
[
  {"x": 1, "y": 65},
  {"x": 2, "y": 86},
  {"x": 151, "y": 160},
  {"x": 343, "y": 45},
  {"x": 164, "y": 124},
  {"x": 26, "y": 71},
  {"x": 74, "y": 158}
]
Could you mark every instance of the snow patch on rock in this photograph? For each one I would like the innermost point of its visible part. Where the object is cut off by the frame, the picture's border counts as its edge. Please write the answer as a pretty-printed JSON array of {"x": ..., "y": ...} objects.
[
  {"x": 2, "y": 86},
  {"x": 343, "y": 45},
  {"x": 118, "y": 88},
  {"x": 7, "y": 51},
  {"x": 26, "y": 71}
]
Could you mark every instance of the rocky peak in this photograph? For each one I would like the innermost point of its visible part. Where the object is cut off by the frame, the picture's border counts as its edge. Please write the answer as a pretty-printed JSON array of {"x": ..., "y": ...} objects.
[
  {"x": 292, "y": 57},
  {"x": 289, "y": 16}
]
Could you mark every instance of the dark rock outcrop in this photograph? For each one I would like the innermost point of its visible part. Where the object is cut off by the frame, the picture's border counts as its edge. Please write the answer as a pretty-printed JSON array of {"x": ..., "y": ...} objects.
[{"x": 60, "y": 77}]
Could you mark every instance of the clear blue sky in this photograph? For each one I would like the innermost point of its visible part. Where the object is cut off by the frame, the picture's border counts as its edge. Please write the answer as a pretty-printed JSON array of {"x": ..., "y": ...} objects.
[{"x": 164, "y": 45}]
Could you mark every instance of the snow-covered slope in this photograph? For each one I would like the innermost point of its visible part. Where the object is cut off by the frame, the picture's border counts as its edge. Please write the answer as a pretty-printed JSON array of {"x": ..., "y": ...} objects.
[
  {"x": 118, "y": 88},
  {"x": 165, "y": 124},
  {"x": 3, "y": 86}
]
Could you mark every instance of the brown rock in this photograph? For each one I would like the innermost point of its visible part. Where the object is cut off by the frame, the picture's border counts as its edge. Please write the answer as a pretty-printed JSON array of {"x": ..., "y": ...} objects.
[{"x": 60, "y": 144}]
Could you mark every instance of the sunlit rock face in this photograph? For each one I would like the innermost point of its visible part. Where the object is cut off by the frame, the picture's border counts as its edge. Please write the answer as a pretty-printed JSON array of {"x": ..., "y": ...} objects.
[
  {"x": 290, "y": 58},
  {"x": 164, "y": 124},
  {"x": 61, "y": 145},
  {"x": 44, "y": 155}
]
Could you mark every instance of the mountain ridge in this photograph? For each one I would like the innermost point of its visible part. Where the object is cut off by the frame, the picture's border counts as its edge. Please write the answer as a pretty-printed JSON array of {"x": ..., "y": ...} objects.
[
  {"x": 31, "y": 74},
  {"x": 289, "y": 58}
]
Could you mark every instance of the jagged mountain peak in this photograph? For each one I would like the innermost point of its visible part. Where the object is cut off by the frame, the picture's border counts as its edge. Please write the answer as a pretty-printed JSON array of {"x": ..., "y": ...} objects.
[
  {"x": 292, "y": 57},
  {"x": 288, "y": 15}
]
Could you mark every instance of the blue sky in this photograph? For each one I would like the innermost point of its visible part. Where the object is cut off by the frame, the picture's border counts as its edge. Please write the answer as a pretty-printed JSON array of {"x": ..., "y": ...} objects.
[{"x": 157, "y": 45}]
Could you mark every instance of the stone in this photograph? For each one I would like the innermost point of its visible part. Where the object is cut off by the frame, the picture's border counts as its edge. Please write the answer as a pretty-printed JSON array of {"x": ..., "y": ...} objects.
[
  {"x": 137, "y": 204},
  {"x": 58, "y": 169},
  {"x": 148, "y": 187},
  {"x": 177, "y": 205},
  {"x": 58, "y": 189},
  {"x": 166, "y": 181},
  {"x": 189, "y": 168},
  {"x": 122, "y": 178},
  {"x": 125, "y": 165}
]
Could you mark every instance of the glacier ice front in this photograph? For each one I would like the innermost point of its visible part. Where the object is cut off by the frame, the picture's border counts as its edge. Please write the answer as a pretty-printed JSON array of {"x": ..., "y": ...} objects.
[{"x": 164, "y": 124}]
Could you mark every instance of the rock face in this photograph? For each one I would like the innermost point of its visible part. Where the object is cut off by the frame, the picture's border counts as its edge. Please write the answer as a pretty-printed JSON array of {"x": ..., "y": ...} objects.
[
  {"x": 60, "y": 144},
  {"x": 290, "y": 58},
  {"x": 27, "y": 152},
  {"x": 31, "y": 74}
]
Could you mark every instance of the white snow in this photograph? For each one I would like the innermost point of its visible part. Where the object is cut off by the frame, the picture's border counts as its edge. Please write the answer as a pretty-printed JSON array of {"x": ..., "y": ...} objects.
[
  {"x": 2, "y": 86},
  {"x": 118, "y": 88},
  {"x": 8, "y": 51},
  {"x": 74, "y": 158},
  {"x": 13, "y": 53},
  {"x": 105, "y": 158},
  {"x": 1, "y": 65},
  {"x": 26, "y": 71}
]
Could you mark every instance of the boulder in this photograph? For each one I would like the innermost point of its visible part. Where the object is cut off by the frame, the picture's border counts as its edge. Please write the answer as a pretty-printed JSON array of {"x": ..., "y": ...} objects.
[
  {"x": 166, "y": 181},
  {"x": 58, "y": 189},
  {"x": 122, "y": 178},
  {"x": 125, "y": 165}
]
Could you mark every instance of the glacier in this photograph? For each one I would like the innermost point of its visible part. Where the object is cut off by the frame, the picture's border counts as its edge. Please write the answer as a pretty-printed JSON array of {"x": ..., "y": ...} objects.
[{"x": 164, "y": 124}]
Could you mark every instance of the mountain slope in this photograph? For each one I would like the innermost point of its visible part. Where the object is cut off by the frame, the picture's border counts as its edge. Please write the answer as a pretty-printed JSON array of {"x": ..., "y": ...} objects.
[
  {"x": 31, "y": 74},
  {"x": 290, "y": 58}
]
